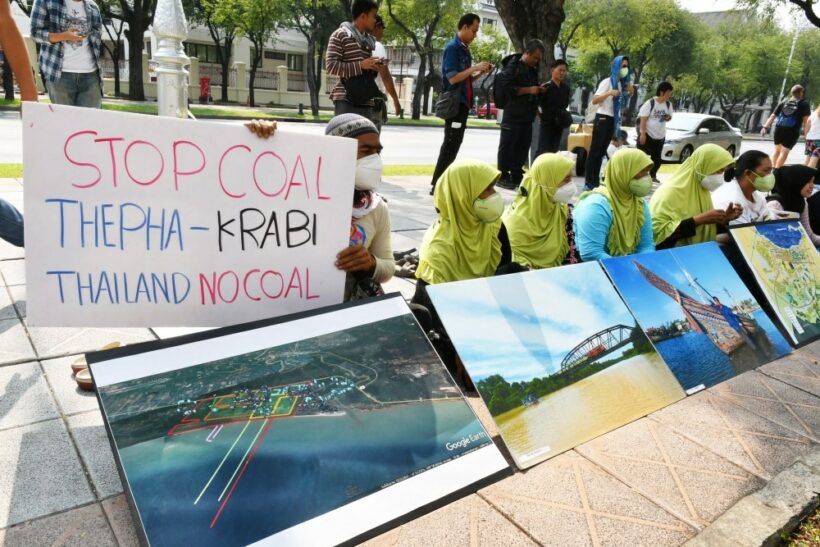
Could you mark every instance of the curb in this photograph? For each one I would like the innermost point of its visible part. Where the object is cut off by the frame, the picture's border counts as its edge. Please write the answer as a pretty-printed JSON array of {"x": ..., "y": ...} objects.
[{"x": 763, "y": 517}]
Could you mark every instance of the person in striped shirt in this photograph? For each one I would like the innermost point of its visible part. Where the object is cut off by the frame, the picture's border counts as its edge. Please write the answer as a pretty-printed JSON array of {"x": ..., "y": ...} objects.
[{"x": 350, "y": 57}]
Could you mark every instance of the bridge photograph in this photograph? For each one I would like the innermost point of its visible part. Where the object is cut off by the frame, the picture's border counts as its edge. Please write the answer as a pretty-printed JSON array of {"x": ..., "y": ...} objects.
[{"x": 552, "y": 384}]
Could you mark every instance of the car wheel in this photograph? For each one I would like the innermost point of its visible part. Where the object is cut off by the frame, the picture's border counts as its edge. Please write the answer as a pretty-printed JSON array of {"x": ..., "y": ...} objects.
[
  {"x": 685, "y": 153},
  {"x": 580, "y": 161},
  {"x": 731, "y": 150}
]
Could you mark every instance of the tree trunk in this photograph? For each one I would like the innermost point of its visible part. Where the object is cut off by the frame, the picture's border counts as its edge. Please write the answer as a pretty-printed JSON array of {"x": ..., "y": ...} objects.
[
  {"x": 525, "y": 19},
  {"x": 419, "y": 91},
  {"x": 311, "y": 75},
  {"x": 633, "y": 99},
  {"x": 251, "y": 84},
  {"x": 136, "y": 91},
  {"x": 117, "y": 51},
  {"x": 8, "y": 81},
  {"x": 227, "y": 50}
]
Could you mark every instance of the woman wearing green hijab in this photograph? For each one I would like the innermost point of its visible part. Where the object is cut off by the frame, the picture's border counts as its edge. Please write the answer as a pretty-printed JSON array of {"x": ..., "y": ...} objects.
[
  {"x": 539, "y": 221},
  {"x": 682, "y": 209},
  {"x": 614, "y": 219}
]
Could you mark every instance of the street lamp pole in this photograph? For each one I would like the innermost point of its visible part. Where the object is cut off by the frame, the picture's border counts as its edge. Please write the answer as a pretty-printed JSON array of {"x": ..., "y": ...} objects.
[{"x": 171, "y": 29}]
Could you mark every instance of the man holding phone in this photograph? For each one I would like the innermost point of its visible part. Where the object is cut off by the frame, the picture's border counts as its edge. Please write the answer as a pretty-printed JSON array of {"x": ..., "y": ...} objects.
[{"x": 70, "y": 36}]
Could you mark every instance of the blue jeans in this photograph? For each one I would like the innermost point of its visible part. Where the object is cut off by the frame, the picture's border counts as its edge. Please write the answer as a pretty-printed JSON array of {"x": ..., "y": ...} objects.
[
  {"x": 76, "y": 89},
  {"x": 11, "y": 224}
]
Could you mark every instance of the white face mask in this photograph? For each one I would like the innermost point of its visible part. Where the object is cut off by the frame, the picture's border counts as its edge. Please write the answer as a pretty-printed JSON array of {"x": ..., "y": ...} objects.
[
  {"x": 564, "y": 193},
  {"x": 369, "y": 171},
  {"x": 712, "y": 182}
]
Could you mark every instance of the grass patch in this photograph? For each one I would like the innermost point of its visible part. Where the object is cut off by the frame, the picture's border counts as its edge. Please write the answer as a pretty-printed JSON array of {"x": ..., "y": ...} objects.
[
  {"x": 408, "y": 170},
  {"x": 13, "y": 170},
  {"x": 133, "y": 108},
  {"x": 808, "y": 534},
  {"x": 6, "y": 102}
]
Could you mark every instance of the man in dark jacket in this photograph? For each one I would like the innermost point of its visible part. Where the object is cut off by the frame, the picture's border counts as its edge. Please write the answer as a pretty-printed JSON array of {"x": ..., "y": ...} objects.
[
  {"x": 554, "y": 114},
  {"x": 519, "y": 84}
]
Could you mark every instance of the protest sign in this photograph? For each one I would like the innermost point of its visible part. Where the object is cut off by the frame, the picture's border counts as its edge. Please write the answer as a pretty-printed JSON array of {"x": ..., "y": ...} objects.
[{"x": 134, "y": 220}]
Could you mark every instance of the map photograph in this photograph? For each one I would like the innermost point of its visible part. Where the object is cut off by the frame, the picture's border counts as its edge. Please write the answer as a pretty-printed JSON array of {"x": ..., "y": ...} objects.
[
  {"x": 697, "y": 312},
  {"x": 555, "y": 355},
  {"x": 787, "y": 268},
  {"x": 235, "y": 450}
]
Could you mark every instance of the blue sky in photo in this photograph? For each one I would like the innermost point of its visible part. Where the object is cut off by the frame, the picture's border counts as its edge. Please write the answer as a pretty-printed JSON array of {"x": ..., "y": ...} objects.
[
  {"x": 521, "y": 326},
  {"x": 704, "y": 262}
]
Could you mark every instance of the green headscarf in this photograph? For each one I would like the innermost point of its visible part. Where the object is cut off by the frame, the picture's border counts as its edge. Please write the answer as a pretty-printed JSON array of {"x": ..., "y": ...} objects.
[
  {"x": 683, "y": 196},
  {"x": 536, "y": 224},
  {"x": 627, "y": 209},
  {"x": 458, "y": 246}
]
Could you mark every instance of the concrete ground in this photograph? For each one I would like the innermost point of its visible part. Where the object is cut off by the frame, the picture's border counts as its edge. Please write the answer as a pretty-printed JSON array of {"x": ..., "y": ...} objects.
[{"x": 728, "y": 466}]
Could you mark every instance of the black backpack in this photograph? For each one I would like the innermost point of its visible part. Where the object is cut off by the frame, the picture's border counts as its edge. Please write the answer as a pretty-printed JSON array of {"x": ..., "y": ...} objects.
[
  {"x": 788, "y": 114},
  {"x": 501, "y": 94}
]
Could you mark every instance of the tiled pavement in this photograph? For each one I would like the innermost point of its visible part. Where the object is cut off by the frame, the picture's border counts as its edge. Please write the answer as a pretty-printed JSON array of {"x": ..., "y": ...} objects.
[{"x": 657, "y": 481}]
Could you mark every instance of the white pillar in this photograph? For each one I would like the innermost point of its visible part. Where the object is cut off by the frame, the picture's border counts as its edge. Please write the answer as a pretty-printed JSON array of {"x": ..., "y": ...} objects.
[{"x": 171, "y": 29}]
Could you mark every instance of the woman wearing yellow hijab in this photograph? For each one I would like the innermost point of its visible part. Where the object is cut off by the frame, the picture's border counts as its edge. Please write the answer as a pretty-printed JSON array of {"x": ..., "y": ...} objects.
[
  {"x": 539, "y": 221},
  {"x": 614, "y": 219},
  {"x": 682, "y": 209}
]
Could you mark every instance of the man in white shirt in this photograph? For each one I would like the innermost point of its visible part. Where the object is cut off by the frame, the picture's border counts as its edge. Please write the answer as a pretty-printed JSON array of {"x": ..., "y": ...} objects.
[
  {"x": 653, "y": 116},
  {"x": 70, "y": 36},
  {"x": 385, "y": 79}
]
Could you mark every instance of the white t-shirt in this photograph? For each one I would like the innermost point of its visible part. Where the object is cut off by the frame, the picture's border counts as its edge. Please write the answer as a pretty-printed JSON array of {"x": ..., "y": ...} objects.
[
  {"x": 753, "y": 211},
  {"x": 380, "y": 52},
  {"x": 77, "y": 57},
  {"x": 605, "y": 107},
  {"x": 814, "y": 131},
  {"x": 656, "y": 119}
]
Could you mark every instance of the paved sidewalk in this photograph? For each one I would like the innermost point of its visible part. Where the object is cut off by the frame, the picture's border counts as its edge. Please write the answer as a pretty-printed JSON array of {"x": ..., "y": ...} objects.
[{"x": 658, "y": 481}]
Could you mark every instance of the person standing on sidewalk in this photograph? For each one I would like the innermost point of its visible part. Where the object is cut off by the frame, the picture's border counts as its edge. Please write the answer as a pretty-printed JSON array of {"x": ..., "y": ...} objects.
[
  {"x": 70, "y": 36},
  {"x": 519, "y": 82},
  {"x": 653, "y": 116},
  {"x": 385, "y": 80},
  {"x": 554, "y": 114},
  {"x": 608, "y": 98},
  {"x": 789, "y": 116},
  {"x": 457, "y": 71},
  {"x": 350, "y": 57}
]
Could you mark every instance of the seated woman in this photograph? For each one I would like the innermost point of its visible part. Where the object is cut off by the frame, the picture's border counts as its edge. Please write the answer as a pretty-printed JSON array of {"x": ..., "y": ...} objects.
[
  {"x": 614, "y": 219},
  {"x": 682, "y": 209},
  {"x": 793, "y": 185},
  {"x": 539, "y": 221},
  {"x": 747, "y": 183},
  {"x": 368, "y": 260}
]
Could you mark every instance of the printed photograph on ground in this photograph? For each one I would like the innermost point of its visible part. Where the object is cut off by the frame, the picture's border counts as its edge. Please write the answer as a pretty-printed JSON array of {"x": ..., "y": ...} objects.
[
  {"x": 556, "y": 356},
  {"x": 787, "y": 268},
  {"x": 700, "y": 316},
  {"x": 234, "y": 450}
]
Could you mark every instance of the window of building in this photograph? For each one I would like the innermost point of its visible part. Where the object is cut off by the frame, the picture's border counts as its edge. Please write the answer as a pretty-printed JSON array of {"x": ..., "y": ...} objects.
[
  {"x": 275, "y": 55},
  {"x": 206, "y": 53},
  {"x": 296, "y": 62},
  {"x": 491, "y": 22}
]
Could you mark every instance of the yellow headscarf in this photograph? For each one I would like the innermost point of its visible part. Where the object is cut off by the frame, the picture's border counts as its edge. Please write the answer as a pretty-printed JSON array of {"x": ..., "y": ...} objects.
[
  {"x": 627, "y": 209},
  {"x": 536, "y": 224},
  {"x": 458, "y": 246},
  {"x": 682, "y": 196}
]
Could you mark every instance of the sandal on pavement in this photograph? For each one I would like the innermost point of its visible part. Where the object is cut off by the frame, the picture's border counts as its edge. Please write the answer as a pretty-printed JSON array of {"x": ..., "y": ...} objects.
[
  {"x": 79, "y": 363},
  {"x": 83, "y": 379}
]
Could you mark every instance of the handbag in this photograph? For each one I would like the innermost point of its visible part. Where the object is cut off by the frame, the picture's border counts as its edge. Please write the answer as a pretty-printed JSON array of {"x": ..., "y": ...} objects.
[
  {"x": 361, "y": 89},
  {"x": 563, "y": 118},
  {"x": 448, "y": 103}
]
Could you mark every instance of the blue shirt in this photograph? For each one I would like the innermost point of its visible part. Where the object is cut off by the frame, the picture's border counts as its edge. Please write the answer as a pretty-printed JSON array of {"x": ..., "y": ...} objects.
[
  {"x": 456, "y": 58},
  {"x": 593, "y": 220}
]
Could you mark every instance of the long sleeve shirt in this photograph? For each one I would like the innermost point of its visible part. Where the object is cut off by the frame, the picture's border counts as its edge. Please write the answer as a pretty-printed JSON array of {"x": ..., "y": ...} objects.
[
  {"x": 593, "y": 221},
  {"x": 343, "y": 59},
  {"x": 49, "y": 16}
]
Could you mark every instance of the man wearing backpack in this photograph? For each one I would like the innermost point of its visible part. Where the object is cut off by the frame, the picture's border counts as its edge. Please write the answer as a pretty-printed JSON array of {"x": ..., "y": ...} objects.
[
  {"x": 653, "y": 116},
  {"x": 516, "y": 89},
  {"x": 789, "y": 116}
]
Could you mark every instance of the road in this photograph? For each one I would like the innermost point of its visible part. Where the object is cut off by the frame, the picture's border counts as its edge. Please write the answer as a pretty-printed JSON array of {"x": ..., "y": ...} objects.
[{"x": 402, "y": 144}]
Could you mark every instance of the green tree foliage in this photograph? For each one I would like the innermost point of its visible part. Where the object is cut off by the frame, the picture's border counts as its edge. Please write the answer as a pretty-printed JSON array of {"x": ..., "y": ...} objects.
[
  {"x": 315, "y": 20},
  {"x": 257, "y": 20},
  {"x": 421, "y": 21}
]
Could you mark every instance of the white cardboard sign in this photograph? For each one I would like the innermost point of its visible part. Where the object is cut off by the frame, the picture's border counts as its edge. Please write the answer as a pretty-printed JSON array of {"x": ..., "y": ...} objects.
[{"x": 133, "y": 220}]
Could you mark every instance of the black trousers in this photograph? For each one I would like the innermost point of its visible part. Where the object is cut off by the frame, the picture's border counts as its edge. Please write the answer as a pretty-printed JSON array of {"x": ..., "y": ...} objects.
[
  {"x": 549, "y": 138},
  {"x": 653, "y": 148},
  {"x": 453, "y": 135},
  {"x": 602, "y": 130},
  {"x": 513, "y": 147},
  {"x": 369, "y": 112}
]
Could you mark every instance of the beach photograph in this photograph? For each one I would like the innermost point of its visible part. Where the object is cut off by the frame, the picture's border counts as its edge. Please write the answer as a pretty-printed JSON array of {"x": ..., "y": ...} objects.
[
  {"x": 556, "y": 356},
  {"x": 697, "y": 312}
]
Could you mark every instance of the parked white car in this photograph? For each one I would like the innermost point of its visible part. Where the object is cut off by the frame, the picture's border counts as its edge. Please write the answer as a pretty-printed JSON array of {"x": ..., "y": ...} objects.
[{"x": 687, "y": 131}]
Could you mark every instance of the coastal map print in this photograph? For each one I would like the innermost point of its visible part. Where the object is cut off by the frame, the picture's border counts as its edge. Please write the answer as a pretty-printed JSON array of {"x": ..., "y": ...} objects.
[
  {"x": 238, "y": 449},
  {"x": 787, "y": 268},
  {"x": 555, "y": 355},
  {"x": 700, "y": 316}
]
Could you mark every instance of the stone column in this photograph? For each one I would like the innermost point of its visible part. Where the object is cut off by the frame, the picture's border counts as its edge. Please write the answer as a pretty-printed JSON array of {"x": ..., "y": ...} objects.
[
  {"x": 171, "y": 29},
  {"x": 241, "y": 82}
]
